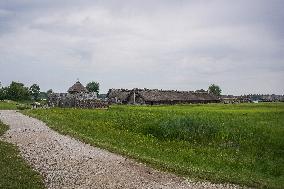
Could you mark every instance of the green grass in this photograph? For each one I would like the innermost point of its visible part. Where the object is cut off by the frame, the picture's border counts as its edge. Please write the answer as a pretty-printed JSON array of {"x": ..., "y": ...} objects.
[
  {"x": 8, "y": 105},
  {"x": 12, "y": 105},
  {"x": 14, "y": 172},
  {"x": 241, "y": 143}
]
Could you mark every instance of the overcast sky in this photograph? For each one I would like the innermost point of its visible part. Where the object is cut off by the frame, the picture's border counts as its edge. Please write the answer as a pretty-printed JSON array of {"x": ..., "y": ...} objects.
[{"x": 174, "y": 44}]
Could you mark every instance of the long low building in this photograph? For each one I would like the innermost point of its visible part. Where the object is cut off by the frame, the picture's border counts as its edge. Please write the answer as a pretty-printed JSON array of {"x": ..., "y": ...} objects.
[{"x": 155, "y": 96}]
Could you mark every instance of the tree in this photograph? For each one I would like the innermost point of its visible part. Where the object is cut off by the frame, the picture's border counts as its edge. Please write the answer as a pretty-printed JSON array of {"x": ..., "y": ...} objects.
[
  {"x": 35, "y": 91},
  {"x": 3, "y": 92},
  {"x": 17, "y": 91},
  {"x": 49, "y": 91},
  {"x": 93, "y": 87},
  {"x": 214, "y": 89}
]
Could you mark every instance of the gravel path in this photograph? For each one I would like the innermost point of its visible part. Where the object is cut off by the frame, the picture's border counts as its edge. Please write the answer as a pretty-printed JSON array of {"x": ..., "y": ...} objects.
[{"x": 68, "y": 163}]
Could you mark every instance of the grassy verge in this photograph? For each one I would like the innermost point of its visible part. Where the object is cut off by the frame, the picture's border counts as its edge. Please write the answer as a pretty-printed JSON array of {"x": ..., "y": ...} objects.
[
  {"x": 14, "y": 172},
  {"x": 12, "y": 105},
  {"x": 240, "y": 144},
  {"x": 8, "y": 105}
]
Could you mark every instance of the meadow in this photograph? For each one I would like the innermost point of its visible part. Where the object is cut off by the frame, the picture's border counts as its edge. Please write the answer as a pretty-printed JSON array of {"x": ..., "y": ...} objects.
[{"x": 238, "y": 143}]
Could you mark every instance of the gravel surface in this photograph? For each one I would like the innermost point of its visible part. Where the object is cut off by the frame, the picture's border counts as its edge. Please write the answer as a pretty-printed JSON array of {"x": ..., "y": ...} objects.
[{"x": 68, "y": 163}]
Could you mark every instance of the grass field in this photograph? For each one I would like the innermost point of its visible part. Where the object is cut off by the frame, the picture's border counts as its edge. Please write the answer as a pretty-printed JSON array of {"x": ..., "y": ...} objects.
[
  {"x": 14, "y": 172},
  {"x": 240, "y": 143},
  {"x": 8, "y": 105},
  {"x": 12, "y": 105}
]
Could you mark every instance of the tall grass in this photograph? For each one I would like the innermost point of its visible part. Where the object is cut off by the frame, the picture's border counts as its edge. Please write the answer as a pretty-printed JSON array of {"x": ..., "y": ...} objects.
[{"x": 223, "y": 143}]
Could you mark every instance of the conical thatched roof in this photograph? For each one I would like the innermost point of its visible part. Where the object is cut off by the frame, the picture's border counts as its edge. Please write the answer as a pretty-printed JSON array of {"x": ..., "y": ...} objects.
[{"x": 77, "y": 88}]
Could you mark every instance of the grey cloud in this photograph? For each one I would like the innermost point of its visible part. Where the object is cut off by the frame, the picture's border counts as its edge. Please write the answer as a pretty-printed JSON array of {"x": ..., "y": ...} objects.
[{"x": 182, "y": 45}]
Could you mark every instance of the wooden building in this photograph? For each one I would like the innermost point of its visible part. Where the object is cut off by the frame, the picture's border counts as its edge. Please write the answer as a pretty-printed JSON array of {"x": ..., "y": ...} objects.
[
  {"x": 77, "y": 97},
  {"x": 155, "y": 96}
]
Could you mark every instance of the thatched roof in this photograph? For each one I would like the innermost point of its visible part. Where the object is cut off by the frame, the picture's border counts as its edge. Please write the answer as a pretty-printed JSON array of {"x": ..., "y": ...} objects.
[
  {"x": 155, "y": 95},
  {"x": 120, "y": 94},
  {"x": 160, "y": 95},
  {"x": 77, "y": 88}
]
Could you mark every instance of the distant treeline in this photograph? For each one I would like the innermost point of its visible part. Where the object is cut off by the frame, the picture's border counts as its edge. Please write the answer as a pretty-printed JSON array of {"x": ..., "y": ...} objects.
[{"x": 19, "y": 92}]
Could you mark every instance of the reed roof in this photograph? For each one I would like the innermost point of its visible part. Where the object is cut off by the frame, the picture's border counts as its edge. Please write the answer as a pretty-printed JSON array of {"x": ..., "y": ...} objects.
[{"x": 77, "y": 88}]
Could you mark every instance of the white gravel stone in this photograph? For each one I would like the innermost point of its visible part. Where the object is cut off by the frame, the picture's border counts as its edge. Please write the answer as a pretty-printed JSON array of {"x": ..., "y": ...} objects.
[{"x": 68, "y": 163}]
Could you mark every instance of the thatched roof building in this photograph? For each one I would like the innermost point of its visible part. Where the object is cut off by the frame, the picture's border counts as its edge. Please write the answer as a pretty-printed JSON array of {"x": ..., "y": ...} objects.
[
  {"x": 77, "y": 88},
  {"x": 118, "y": 95},
  {"x": 147, "y": 96},
  {"x": 77, "y": 97}
]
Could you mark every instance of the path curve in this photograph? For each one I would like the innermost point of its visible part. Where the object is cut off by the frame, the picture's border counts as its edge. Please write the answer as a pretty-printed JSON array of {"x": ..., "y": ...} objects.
[{"x": 68, "y": 163}]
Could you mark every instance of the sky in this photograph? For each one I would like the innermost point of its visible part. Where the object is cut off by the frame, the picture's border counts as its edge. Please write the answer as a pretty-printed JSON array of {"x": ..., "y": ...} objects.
[{"x": 160, "y": 44}]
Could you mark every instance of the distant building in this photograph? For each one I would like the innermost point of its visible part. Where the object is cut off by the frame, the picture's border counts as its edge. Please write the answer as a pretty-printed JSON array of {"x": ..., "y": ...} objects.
[
  {"x": 231, "y": 99},
  {"x": 77, "y": 88},
  {"x": 155, "y": 96},
  {"x": 119, "y": 96},
  {"x": 77, "y": 96},
  {"x": 252, "y": 98}
]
